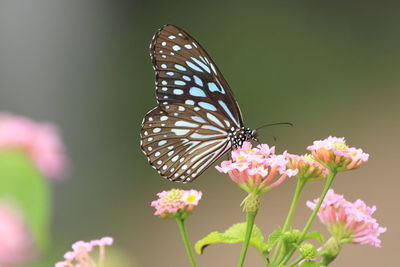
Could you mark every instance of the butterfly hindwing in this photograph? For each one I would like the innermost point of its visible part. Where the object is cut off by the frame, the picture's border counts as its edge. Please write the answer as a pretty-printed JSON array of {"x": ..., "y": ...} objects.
[{"x": 181, "y": 142}]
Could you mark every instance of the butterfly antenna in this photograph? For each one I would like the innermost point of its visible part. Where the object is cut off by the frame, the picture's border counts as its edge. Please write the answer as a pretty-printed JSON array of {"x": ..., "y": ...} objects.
[{"x": 278, "y": 123}]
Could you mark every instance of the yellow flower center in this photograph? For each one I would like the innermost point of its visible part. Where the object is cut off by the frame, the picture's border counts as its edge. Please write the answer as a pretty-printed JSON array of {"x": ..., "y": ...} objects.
[
  {"x": 191, "y": 198},
  {"x": 340, "y": 146}
]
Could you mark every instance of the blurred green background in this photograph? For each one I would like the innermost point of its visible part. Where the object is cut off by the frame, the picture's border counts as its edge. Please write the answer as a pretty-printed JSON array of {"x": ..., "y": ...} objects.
[{"x": 330, "y": 67}]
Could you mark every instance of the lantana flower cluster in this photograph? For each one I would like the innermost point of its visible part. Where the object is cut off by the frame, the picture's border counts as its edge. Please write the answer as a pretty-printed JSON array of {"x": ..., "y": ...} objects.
[
  {"x": 257, "y": 169},
  {"x": 308, "y": 168},
  {"x": 176, "y": 202},
  {"x": 41, "y": 141},
  {"x": 349, "y": 221},
  {"x": 80, "y": 254},
  {"x": 334, "y": 154}
]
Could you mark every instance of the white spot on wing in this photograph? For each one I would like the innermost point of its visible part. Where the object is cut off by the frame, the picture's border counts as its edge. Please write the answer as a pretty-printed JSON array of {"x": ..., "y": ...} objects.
[
  {"x": 162, "y": 142},
  {"x": 178, "y": 92}
]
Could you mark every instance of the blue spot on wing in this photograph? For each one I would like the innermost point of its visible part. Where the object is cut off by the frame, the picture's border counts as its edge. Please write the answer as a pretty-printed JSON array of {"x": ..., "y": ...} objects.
[
  {"x": 227, "y": 111},
  {"x": 198, "y": 119},
  {"x": 193, "y": 66},
  {"x": 201, "y": 64},
  {"x": 214, "y": 88},
  {"x": 179, "y": 67},
  {"x": 195, "y": 91},
  {"x": 207, "y": 106},
  {"x": 197, "y": 80}
]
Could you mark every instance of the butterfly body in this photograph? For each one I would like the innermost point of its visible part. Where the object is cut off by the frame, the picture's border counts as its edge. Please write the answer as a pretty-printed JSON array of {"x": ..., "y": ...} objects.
[{"x": 197, "y": 119}]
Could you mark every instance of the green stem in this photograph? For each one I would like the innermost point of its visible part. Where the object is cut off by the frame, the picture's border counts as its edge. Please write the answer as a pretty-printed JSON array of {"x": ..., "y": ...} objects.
[
  {"x": 299, "y": 189},
  {"x": 182, "y": 229},
  {"x": 313, "y": 215},
  {"x": 251, "y": 215},
  {"x": 296, "y": 261}
]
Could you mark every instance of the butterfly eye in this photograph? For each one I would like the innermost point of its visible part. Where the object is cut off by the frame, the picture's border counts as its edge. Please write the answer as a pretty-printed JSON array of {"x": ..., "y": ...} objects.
[{"x": 197, "y": 119}]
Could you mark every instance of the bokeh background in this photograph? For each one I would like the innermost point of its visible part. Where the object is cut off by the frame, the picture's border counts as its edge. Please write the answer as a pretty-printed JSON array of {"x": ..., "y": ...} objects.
[{"x": 331, "y": 68}]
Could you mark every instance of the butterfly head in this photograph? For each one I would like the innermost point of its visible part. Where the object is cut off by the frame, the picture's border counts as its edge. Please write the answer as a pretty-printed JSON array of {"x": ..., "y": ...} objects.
[{"x": 254, "y": 135}]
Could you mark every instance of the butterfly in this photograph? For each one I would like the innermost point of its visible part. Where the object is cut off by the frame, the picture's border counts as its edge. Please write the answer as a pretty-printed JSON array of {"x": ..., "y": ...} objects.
[{"x": 197, "y": 119}]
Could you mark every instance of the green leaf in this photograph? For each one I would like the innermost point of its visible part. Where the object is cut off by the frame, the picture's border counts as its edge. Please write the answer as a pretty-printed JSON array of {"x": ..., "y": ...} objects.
[
  {"x": 234, "y": 234},
  {"x": 22, "y": 185},
  {"x": 273, "y": 238},
  {"x": 315, "y": 235}
]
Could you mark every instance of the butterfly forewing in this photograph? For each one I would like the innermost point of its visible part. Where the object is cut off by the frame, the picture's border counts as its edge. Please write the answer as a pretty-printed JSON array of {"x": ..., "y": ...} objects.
[
  {"x": 181, "y": 142},
  {"x": 186, "y": 74}
]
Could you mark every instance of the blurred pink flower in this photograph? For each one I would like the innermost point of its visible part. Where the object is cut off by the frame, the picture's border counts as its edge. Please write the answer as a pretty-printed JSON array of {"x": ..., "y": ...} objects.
[
  {"x": 349, "y": 222},
  {"x": 309, "y": 169},
  {"x": 16, "y": 244},
  {"x": 256, "y": 169},
  {"x": 41, "y": 141},
  {"x": 334, "y": 154},
  {"x": 176, "y": 202},
  {"x": 80, "y": 254}
]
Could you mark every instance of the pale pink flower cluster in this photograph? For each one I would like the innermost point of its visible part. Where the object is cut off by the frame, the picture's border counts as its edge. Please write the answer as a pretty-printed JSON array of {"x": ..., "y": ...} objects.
[
  {"x": 16, "y": 244},
  {"x": 41, "y": 141},
  {"x": 257, "y": 168},
  {"x": 80, "y": 254},
  {"x": 175, "y": 201},
  {"x": 347, "y": 221},
  {"x": 309, "y": 169},
  {"x": 333, "y": 153}
]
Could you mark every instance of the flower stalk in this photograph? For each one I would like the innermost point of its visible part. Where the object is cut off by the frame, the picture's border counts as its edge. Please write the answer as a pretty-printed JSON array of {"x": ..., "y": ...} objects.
[
  {"x": 185, "y": 239},
  {"x": 311, "y": 219},
  {"x": 251, "y": 215},
  {"x": 288, "y": 221}
]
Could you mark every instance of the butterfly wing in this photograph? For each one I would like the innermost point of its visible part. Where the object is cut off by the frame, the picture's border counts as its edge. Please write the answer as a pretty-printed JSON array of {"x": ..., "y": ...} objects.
[
  {"x": 185, "y": 73},
  {"x": 181, "y": 142},
  {"x": 197, "y": 113}
]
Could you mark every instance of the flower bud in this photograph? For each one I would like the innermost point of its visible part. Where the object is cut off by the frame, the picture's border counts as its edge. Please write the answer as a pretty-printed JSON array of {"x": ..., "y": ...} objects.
[
  {"x": 308, "y": 251},
  {"x": 291, "y": 236}
]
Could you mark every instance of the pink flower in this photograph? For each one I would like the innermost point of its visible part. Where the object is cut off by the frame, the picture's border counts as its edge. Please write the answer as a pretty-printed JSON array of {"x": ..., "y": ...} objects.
[
  {"x": 191, "y": 197},
  {"x": 41, "y": 141},
  {"x": 256, "y": 169},
  {"x": 80, "y": 254},
  {"x": 176, "y": 202},
  {"x": 16, "y": 244},
  {"x": 307, "y": 167},
  {"x": 349, "y": 222},
  {"x": 334, "y": 154}
]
